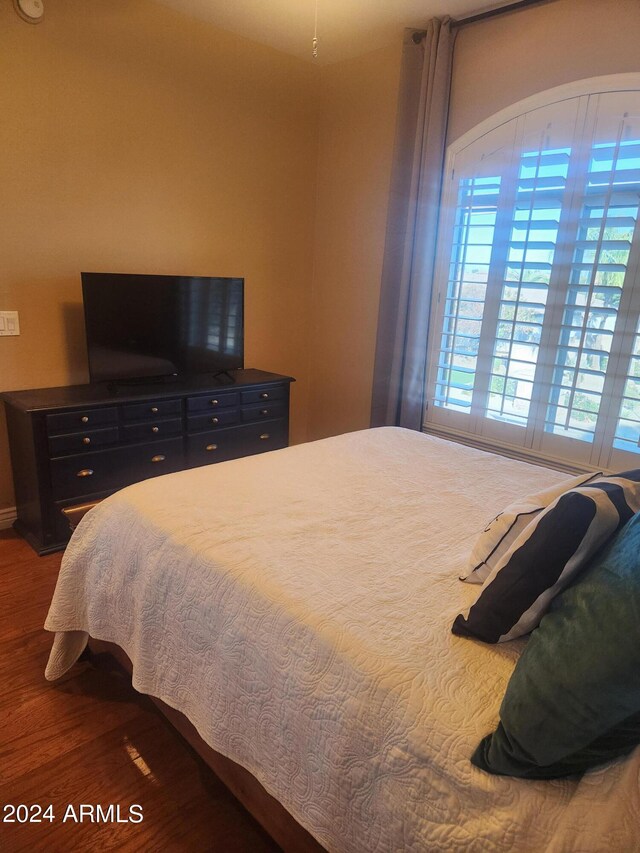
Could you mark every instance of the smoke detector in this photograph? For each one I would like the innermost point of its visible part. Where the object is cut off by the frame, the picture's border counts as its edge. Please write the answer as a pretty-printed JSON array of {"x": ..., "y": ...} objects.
[{"x": 31, "y": 11}]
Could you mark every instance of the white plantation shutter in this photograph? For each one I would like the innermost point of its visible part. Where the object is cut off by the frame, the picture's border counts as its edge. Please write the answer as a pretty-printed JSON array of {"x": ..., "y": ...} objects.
[
  {"x": 627, "y": 428},
  {"x": 464, "y": 306},
  {"x": 535, "y": 333}
]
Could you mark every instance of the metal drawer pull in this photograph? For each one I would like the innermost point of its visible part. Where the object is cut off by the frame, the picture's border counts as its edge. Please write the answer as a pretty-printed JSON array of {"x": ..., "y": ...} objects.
[
  {"x": 265, "y": 436},
  {"x": 158, "y": 458},
  {"x": 154, "y": 409},
  {"x": 264, "y": 411},
  {"x": 86, "y": 472},
  {"x": 264, "y": 395},
  {"x": 214, "y": 402},
  {"x": 211, "y": 447},
  {"x": 155, "y": 429},
  {"x": 86, "y": 440},
  {"x": 215, "y": 420},
  {"x": 84, "y": 419}
]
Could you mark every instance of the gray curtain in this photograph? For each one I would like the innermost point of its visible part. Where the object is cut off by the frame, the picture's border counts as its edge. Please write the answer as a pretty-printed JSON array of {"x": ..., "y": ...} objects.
[{"x": 414, "y": 205}]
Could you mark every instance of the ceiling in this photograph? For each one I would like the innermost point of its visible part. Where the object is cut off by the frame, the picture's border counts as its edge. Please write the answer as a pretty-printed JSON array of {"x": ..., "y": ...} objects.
[{"x": 346, "y": 28}]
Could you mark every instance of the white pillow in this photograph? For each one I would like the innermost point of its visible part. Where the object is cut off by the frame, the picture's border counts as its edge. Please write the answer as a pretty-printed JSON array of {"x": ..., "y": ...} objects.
[{"x": 500, "y": 534}]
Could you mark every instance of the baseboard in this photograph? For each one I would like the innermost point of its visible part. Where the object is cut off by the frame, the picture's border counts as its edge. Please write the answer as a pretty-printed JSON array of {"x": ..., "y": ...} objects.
[{"x": 7, "y": 517}]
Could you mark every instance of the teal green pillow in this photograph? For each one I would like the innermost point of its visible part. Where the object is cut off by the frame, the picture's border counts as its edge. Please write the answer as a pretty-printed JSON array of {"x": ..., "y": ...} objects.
[{"x": 573, "y": 701}]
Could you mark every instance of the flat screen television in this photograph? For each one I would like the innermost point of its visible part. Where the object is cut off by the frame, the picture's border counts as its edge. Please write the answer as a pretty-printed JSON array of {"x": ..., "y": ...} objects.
[{"x": 141, "y": 326}]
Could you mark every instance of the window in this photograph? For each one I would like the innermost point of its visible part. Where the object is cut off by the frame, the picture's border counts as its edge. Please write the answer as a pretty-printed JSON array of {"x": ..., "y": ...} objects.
[{"x": 535, "y": 331}]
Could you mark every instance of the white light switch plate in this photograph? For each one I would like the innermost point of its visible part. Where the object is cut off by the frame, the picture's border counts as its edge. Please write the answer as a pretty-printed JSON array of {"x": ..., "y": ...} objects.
[{"x": 9, "y": 323}]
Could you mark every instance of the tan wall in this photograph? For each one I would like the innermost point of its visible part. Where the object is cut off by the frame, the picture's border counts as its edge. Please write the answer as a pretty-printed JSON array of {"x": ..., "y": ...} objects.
[
  {"x": 134, "y": 139},
  {"x": 357, "y": 125},
  {"x": 500, "y": 61}
]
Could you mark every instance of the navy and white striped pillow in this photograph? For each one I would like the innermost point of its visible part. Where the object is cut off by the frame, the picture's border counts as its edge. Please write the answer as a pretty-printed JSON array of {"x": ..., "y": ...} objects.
[
  {"x": 500, "y": 534},
  {"x": 547, "y": 555}
]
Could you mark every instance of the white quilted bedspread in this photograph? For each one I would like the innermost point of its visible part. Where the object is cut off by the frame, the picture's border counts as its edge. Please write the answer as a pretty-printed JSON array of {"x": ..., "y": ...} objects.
[{"x": 297, "y": 605}]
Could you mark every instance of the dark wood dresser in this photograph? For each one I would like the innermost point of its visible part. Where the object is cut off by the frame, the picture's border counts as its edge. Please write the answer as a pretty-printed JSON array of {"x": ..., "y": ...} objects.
[{"x": 78, "y": 444}]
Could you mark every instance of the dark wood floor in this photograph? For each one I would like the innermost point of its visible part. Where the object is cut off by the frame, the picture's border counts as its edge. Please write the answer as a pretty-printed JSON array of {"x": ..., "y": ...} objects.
[{"x": 90, "y": 738}]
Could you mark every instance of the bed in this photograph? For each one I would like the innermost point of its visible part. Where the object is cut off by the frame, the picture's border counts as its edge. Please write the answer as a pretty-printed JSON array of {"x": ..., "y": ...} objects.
[{"x": 296, "y": 608}]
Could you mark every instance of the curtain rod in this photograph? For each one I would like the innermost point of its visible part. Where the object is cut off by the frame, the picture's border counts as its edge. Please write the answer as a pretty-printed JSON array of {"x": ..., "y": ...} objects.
[{"x": 481, "y": 16}]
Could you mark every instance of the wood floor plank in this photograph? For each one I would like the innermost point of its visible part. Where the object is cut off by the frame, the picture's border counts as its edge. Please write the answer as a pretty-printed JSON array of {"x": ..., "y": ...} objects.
[
  {"x": 23, "y": 682},
  {"x": 90, "y": 738},
  {"x": 60, "y": 719},
  {"x": 143, "y": 763}
]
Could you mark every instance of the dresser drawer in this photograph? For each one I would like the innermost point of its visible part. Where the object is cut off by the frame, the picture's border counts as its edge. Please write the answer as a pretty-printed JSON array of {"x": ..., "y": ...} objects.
[
  {"x": 78, "y": 442},
  {"x": 108, "y": 470},
  {"x": 154, "y": 429},
  {"x": 221, "y": 418},
  {"x": 258, "y": 438},
  {"x": 81, "y": 420},
  {"x": 224, "y": 444},
  {"x": 206, "y": 447},
  {"x": 220, "y": 400},
  {"x": 264, "y": 411},
  {"x": 151, "y": 410},
  {"x": 260, "y": 395}
]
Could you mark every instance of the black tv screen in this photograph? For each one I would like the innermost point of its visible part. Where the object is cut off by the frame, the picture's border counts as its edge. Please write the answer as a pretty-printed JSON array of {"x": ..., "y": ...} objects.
[{"x": 160, "y": 325}]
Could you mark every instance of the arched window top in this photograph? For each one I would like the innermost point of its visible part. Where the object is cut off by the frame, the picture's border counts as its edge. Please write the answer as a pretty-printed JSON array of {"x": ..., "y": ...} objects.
[
  {"x": 535, "y": 339},
  {"x": 579, "y": 88}
]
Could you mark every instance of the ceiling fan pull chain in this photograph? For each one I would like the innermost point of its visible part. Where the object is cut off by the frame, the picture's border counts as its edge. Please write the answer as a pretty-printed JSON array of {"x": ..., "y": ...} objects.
[{"x": 314, "y": 41}]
